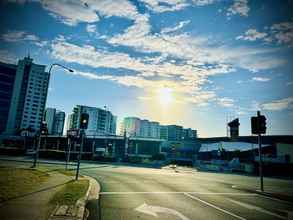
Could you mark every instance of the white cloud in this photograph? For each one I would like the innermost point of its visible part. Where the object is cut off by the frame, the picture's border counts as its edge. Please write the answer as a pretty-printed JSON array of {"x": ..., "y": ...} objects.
[
  {"x": 91, "y": 28},
  {"x": 160, "y": 6},
  {"x": 176, "y": 28},
  {"x": 203, "y": 2},
  {"x": 280, "y": 33},
  {"x": 72, "y": 12},
  {"x": 225, "y": 102},
  {"x": 15, "y": 36},
  {"x": 278, "y": 105},
  {"x": 283, "y": 33},
  {"x": 108, "y": 8},
  {"x": 194, "y": 50},
  {"x": 184, "y": 78},
  {"x": 239, "y": 7},
  {"x": 18, "y": 36},
  {"x": 8, "y": 57},
  {"x": 252, "y": 35},
  {"x": 261, "y": 79}
]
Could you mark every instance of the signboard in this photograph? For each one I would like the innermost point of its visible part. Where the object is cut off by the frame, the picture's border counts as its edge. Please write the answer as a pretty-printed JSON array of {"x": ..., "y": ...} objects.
[{"x": 73, "y": 132}]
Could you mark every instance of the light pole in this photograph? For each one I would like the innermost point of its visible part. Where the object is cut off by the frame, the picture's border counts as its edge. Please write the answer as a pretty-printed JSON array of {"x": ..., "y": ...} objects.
[{"x": 40, "y": 131}]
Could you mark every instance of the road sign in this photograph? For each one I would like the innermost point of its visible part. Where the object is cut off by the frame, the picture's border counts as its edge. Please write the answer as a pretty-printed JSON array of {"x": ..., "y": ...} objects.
[{"x": 73, "y": 132}]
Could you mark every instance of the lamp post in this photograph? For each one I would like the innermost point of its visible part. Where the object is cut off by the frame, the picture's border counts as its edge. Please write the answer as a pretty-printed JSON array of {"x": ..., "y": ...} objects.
[{"x": 40, "y": 131}]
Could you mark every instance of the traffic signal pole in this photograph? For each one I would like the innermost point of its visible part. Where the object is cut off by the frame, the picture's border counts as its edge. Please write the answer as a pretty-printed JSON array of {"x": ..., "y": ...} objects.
[
  {"x": 258, "y": 126},
  {"x": 79, "y": 154},
  {"x": 260, "y": 163},
  {"x": 260, "y": 157},
  {"x": 37, "y": 149}
]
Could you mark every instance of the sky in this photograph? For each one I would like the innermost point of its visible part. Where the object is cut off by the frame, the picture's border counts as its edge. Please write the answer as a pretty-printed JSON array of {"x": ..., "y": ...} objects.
[{"x": 195, "y": 63}]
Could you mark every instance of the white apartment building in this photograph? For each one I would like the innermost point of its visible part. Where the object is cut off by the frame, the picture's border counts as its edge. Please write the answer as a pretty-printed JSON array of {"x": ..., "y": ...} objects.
[{"x": 28, "y": 97}]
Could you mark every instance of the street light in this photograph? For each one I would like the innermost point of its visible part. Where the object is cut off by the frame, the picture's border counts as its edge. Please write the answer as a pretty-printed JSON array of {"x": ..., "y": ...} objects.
[
  {"x": 40, "y": 133},
  {"x": 57, "y": 64}
]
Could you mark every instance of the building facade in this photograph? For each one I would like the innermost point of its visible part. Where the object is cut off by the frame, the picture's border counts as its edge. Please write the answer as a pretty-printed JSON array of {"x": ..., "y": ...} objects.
[
  {"x": 55, "y": 121},
  {"x": 28, "y": 97},
  {"x": 59, "y": 123},
  {"x": 176, "y": 133},
  {"x": 101, "y": 121},
  {"x": 136, "y": 127},
  {"x": 7, "y": 77}
]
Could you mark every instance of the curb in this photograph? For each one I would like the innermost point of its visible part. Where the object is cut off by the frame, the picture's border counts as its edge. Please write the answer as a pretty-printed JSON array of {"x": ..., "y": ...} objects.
[
  {"x": 77, "y": 211},
  {"x": 92, "y": 193},
  {"x": 275, "y": 196},
  {"x": 80, "y": 204}
]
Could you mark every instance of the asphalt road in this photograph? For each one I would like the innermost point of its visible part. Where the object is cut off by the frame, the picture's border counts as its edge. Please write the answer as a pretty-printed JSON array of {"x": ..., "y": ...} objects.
[{"x": 145, "y": 193}]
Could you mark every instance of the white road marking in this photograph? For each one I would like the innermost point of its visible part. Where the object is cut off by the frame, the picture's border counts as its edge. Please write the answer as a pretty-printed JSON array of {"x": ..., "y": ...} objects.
[
  {"x": 251, "y": 207},
  {"x": 172, "y": 192},
  {"x": 153, "y": 210},
  {"x": 213, "y": 206}
]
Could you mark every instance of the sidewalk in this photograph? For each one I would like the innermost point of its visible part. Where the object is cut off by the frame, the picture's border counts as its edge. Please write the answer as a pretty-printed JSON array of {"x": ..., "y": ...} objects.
[{"x": 34, "y": 205}]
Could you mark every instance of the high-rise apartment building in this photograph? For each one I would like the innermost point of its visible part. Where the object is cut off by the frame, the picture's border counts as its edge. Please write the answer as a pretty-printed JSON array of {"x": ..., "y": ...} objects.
[
  {"x": 55, "y": 121},
  {"x": 7, "y": 77},
  {"x": 28, "y": 98},
  {"x": 101, "y": 121},
  {"x": 136, "y": 127}
]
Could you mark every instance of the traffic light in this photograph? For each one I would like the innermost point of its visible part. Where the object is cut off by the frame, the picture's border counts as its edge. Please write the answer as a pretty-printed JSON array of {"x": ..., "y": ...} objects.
[
  {"x": 258, "y": 124},
  {"x": 44, "y": 128},
  {"x": 262, "y": 124},
  {"x": 254, "y": 125},
  {"x": 84, "y": 120}
]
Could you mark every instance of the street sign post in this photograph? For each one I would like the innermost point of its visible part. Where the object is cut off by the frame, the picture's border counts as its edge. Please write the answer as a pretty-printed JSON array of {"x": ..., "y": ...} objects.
[{"x": 258, "y": 126}]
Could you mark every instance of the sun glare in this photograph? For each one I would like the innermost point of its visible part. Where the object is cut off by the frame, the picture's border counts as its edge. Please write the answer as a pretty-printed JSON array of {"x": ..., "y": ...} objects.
[{"x": 165, "y": 95}]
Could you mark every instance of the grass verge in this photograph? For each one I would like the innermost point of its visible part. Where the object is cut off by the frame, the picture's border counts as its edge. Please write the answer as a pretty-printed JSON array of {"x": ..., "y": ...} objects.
[
  {"x": 71, "y": 192},
  {"x": 15, "y": 182}
]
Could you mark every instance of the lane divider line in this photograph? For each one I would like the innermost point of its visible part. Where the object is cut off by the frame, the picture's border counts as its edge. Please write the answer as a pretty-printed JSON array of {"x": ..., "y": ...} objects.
[
  {"x": 213, "y": 206},
  {"x": 251, "y": 207},
  {"x": 172, "y": 192}
]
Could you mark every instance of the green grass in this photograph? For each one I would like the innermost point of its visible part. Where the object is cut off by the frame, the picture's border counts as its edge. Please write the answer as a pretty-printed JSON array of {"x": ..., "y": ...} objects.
[
  {"x": 71, "y": 192},
  {"x": 15, "y": 182},
  {"x": 67, "y": 172}
]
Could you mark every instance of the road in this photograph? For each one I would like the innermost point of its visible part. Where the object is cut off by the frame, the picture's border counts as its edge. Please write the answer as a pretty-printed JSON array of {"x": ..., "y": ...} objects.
[{"x": 145, "y": 193}]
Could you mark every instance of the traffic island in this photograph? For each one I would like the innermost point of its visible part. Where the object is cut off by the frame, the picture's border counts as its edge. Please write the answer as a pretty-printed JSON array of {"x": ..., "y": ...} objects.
[{"x": 71, "y": 201}]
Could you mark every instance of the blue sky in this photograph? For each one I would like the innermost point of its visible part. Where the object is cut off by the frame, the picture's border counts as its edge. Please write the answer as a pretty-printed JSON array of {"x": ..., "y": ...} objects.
[{"x": 189, "y": 62}]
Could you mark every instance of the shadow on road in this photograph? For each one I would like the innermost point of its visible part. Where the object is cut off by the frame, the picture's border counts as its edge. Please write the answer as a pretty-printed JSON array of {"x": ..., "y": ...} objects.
[
  {"x": 93, "y": 206},
  {"x": 38, "y": 191}
]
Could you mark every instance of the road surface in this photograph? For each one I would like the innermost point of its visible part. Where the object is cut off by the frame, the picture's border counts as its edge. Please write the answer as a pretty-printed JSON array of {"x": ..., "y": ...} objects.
[{"x": 145, "y": 193}]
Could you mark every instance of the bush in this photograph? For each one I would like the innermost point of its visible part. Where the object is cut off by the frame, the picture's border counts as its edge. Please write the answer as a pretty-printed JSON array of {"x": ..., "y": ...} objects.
[{"x": 158, "y": 157}]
